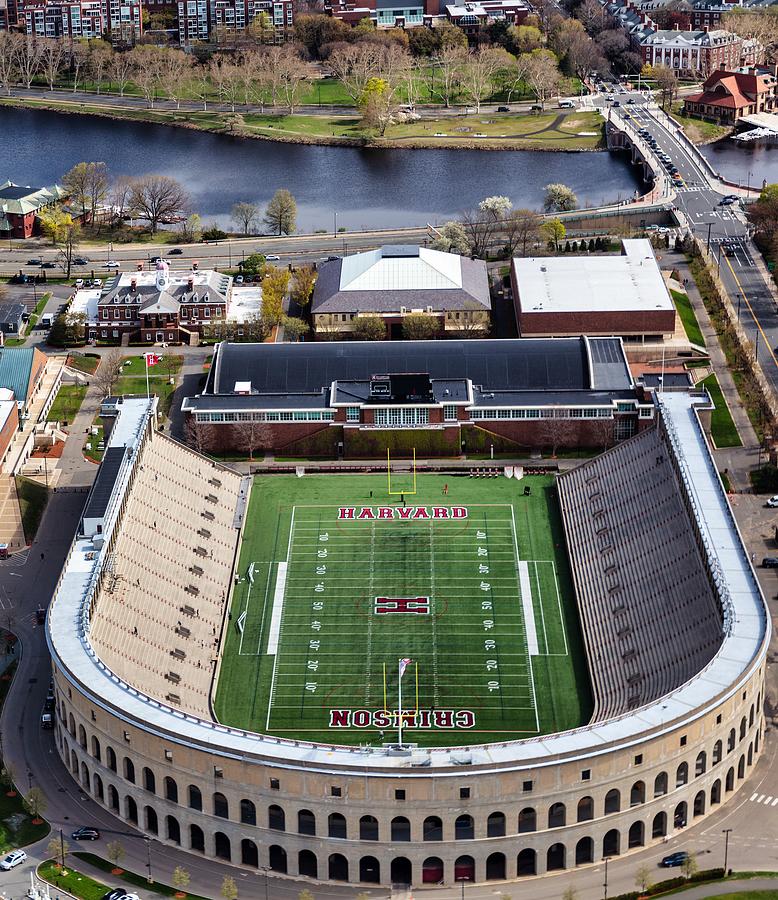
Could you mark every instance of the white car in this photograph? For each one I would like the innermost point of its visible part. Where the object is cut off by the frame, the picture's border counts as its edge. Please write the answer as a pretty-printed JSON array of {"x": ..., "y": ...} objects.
[
  {"x": 772, "y": 503},
  {"x": 12, "y": 860},
  {"x": 112, "y": 264},
  {"x": 79, "y": 282},
  {"x": 273, "y": 257}
]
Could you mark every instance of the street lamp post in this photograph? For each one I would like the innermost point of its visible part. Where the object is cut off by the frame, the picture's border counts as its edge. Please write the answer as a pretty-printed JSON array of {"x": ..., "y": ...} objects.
[
  {"x": 726, "y": 832},
  {"x": 605, "y": 882},
  {"x": 265, "y": 870},
  {"x": 149, "y": 879},
  {"x": 707, "y": 245},
  {"x": 335, "y": 226},
  {"x": 462, "y": 882}
]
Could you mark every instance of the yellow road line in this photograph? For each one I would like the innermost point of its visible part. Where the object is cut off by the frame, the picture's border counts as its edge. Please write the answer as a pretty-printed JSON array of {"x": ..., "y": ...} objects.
[{"x": 750, "y": 309}]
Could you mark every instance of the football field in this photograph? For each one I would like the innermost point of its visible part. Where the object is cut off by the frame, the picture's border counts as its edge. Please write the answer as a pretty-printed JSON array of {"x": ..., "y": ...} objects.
[{"x": 447, "y": 613}]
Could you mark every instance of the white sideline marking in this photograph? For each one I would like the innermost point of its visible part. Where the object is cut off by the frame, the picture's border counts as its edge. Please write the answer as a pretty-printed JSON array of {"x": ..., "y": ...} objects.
[
  {"x": 278, "y": 607},
  {"x": 526, "y": 603}
]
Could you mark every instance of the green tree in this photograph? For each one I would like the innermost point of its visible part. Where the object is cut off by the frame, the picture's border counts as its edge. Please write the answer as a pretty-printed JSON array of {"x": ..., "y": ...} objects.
[
  {"x": 35, "y": 802},
  {"x": 643, "y": 879},
  {"x": 377, "y": 104},
  {"x": 769, "y": 193},
  {"x": 180, "y": 879},
  {"x": 281, "y": 213},
  {"x": 553, "y": 232},
  {"x": 689, "y": 867},
  {"x": 8, "y": 778},
  {"x": 87, "y": 185},
  {"x": 451, "y": 238},
  {"x": 274, "y": 288},
  {"x": 54, "y": 223},
  {"x": 229, "y": 889},
  {"x": 254, "y": 264},
  {"x": 369, "y": 328},
  {"x": 58, "y": 849},
  {"x": 191, "y": 229},
  {"x": 420, "y": 327},
  {"x": 559, "y": 198},
  {"x": 115, "y": 853},
  {"x": 303, "y": 283},
  {"x": 294, "y": 328},
  {"x": 667, "y": 83}
]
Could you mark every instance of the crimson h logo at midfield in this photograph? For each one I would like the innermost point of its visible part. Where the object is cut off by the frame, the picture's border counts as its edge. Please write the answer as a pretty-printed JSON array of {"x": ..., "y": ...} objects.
[{"x": 385, "y": 606}]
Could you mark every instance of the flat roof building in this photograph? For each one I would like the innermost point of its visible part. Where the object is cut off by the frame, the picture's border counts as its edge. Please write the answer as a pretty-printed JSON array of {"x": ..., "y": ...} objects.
[{"x": 566, "y": 295}]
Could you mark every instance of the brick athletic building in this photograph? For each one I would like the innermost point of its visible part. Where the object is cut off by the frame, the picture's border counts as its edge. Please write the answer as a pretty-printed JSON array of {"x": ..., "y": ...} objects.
[{"x": 325, "y": 399}]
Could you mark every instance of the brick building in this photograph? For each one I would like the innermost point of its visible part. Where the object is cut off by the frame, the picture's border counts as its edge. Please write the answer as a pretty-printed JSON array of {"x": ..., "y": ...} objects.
[
  {"x": 621, "y": 295},
  {"x": 20, "y": 207},
  {"x": 397, "y": 280},
  {"x": 473, "y": 16},
  {"x": 118, "y": 20},
  {"x": 352, "y": 398},
  {"x": 200, "y": 20},
  {"x": 160, "y": 306},
  {"x": 728, "y": 95},
  {"x": 697, "y": 52}
]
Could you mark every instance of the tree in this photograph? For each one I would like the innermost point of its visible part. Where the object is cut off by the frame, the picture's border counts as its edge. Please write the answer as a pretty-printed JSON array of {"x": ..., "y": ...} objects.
[
  {"x": 69, "y": 247},
  {"x": 376, "y": 103},
  {"x": 369, "y": 328},
  {"x": 315, "y": 31},
  {"x": 541, "y": 72},
  {"x": 553, "y": 231},
  {"x": 420, "y": 327},
  {"x": 354, "y": 65},
  {"x": 108, "y": 372},
  {"x": 79, "y": 54},
  {"x": 451, "y": 62},
  {"x": 158, "y": 198},
  {"x": 302, "y": 285},
  {"x": 100, "y": 59},
  {"x": 202, "y": 436},
  {"x": 559, "y": 198},
  {"x": 294, "y": 328},
  {"x": 147, "y": 70},
  {"x": 173, "y": 73},
  {"x": 451, "y": 238},
  {"x": 52, "y": 60},
  {"x": 281, "y": 213},
  {"x": 114, "y": 850},
  {"x": 292, "y": 73},
  {"x": 191, "y": 229},
  {"x": 274, "y": 288},
  {"x": 8, "y": 778},
  {"x": 29, "y": 51},
  {"x": 643, "y": 878},
  {"x": 758, "y": 23},
  {"x": 180, "y": 879},
  {"x": 35, "y": 802},
  {"x": 54, "y": 223},
  {"x": 478, "y": 73},
  {"x": 87, "y": 184},
  {"x": 689, "y": 867},
  {"x": 521, "y": 228},
  {"x": 253, "y": 264},
  {"x": 557, "y": 431},
  {"x": 667, "y": 83},
  {"x": 58, "y": 848},
  {"x": 120, "y": 70},
  {"x": 245, "y": 215},
  {"x": 229, "y": 889},
  {"x": 8, "y": 68}
]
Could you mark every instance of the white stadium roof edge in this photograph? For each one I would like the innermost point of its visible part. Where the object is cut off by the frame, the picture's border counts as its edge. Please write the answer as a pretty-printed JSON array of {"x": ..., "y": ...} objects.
[{"x": 742, "y": 650}]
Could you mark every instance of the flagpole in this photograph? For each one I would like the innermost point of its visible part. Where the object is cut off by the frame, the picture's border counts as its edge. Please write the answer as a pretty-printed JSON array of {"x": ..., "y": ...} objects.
[
  {"x": 146, "y": 360},
  {"x": 400, "y": 700},
  {"x": 386, "y": 709},
  {"x": 417, "y": 693}
]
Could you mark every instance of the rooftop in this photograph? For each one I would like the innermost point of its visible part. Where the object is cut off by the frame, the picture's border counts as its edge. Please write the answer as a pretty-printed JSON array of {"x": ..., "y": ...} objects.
[{"x": 630, "y": 282}]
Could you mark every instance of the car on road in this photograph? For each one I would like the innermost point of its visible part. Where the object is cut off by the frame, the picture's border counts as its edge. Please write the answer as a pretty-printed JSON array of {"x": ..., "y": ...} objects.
[
  {"x": 770, "y": 562},
  {"x": 729, "y": 249},
  {"x": 617, "y": 103},
  {"x": 503, "y": 109},
  {"x": 86, "y": 833},
  {"x": 772, "y": 503},
  {"x": 80, "y": 261},
  {"x": 176, "y": 251},
  {"x": 48, "y": 265},
  {"x": 34, "y": 262},
  {"x": 14, "y": 858},
  {"x": 674, "y": 859},
  {"x": 155, "y": 259},
  {"x": 112, "y": 264},
  {"x": 272, "y": 256},
  {"x": 119, "y": 894},
  {"x": 631, "y": 100},
  {"x": 610, "y": 98},
  {"x": 47, "y": 721},
  {"x": 727, "y": 201}
]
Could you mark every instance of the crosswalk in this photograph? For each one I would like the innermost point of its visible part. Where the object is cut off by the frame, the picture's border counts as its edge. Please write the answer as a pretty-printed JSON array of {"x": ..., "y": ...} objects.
[{"x": 764, "y": 799}]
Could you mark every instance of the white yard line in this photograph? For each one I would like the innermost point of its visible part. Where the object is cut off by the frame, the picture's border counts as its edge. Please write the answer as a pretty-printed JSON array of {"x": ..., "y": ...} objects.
[
  {"x": 281, "y": 606},
  {"x": 526, "y": 627},
  {"x": 525, "y": 586}
]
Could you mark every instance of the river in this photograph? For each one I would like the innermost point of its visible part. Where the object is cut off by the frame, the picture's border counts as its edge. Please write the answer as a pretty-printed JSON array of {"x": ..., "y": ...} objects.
[
  {"x": 366, "y": 188},
  {"x": 747, "y": 163}
]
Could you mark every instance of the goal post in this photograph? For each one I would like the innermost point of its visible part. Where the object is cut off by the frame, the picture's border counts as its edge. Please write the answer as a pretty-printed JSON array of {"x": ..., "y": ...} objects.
[{"x": 392, "y": 490}]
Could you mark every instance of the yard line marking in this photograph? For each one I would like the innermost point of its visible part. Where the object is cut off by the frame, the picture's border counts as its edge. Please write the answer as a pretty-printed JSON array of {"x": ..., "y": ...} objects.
[
  {"x": 278, "y": 605},
  {"x": 275, "y": 657},
  {"x": 526, "y": 602},
  {"x": 540, "y": 604},
  {"x": 559, "y": 606},
  {"x": 526, "y": 628}
]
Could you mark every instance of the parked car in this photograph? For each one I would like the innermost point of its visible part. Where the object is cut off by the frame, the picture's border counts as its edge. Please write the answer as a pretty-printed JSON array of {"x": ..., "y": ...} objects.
[
  {"x": 503, "y": 109},
  {"x": 47, "y": 723},
  {"x": 13, "y": 859},
  {"x": 674, "y": 859},
  {"x": 238, "y": 279},
  {"x": 86, "y": 833},
  {"x": 78, "y": 283},
  {"x": 176, "y": 251},
  {"x": 770, "y": 562},
  {"x": 772, "y": 503},
  {"x": 97, "y": 282},
  {"x": 536, "y": 107}
]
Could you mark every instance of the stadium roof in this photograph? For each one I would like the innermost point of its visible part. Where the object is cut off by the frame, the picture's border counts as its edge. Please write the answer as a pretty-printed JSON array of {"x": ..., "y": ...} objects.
[
  {"x": 630, "y": 282},
  {"x": 389, "y": 278},
  {"x": 741, "y": 652},
  {"x": 548, "y": 364}
]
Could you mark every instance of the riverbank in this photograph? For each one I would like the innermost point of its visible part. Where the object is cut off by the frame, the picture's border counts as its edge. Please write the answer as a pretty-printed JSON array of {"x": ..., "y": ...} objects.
[{"x": 553, "y": 130}]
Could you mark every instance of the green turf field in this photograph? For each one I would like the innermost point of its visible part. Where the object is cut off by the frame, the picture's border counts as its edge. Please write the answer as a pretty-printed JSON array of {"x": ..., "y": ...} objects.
[{"x": 481, "y": 604}]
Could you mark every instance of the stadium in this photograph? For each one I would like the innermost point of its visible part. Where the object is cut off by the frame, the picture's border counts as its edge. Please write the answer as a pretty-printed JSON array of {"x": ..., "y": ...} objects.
[{"x": 409, "y": 676}]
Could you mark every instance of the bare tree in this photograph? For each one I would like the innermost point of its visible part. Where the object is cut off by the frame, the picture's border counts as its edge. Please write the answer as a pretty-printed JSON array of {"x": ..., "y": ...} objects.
[
  {"x": 541, "y": 72},
  {"x": 557, "y": 431},
  {"x": 69, "y": 248},
  {"x": 119, "y": 197},
  {"x": 52, "y": 60},
  {"x": 108, "y": 372},
  {"x": 29, "y": 52},
  {"x": 120, "y": 70},
  {"x": 201, "y": 436},
  {"x": 173, "y": 75},
  {"x": 292, "y": 72},
  {"x": 100, "y": 58},
  {"x": 146, "y": 70},
  {"x": 478, "y": 73},
  {"x": 8, "y": 67},
  {"x": 451, "y": 63},
  {"x": 79, "y": 54},
  {"x": 251, "y": 436},
  {"x": 87, "y": 183},
  {"x": 158, "y": 198},
  {"x": 521, "y": 228},
  {"x": 244, "y": 215},
  {"x": 227, "y": 78},
  {"x": 353, "y": 65}
]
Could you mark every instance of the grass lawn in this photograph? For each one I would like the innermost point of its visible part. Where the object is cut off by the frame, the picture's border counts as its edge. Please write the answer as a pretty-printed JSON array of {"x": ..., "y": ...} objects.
[
  {"x": 493, "y": 625},
  {"x": 91, "y": 452},
  {"x": 129, "y": 878},
  {"x": 73, "y": 882},
  {"x": 722, "y": 427},
  {"x": 86, "y": 363},
  {"x": 698, "y": 131},
  {"x": 33, "y": 498},
  {"x": 68, "y": 402},
  {"x": 133, "y": 378},
  {"x": 688, "y": 318}
]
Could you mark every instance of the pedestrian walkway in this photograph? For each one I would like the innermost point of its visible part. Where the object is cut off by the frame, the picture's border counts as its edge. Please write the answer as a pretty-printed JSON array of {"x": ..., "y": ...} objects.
[{"x": 11, "y": 529}]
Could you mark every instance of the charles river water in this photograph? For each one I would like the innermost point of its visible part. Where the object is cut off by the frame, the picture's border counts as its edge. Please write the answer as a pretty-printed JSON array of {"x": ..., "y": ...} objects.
[{"x": 365, "y": 188}]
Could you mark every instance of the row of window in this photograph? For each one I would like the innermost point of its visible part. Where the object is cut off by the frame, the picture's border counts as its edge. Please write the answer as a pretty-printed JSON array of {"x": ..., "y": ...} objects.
[
  {"x": 296, "y": 416},
  {"x": 544, "y": 413},
  {"x": 398, "y": 417}
]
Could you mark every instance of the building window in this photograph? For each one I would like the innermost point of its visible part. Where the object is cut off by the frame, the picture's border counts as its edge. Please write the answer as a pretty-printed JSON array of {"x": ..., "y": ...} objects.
[
  {"x": 449, "y": 412},
  {"x": 586, "y": 775},
  {"x": 683, "y": 740},
  {"x": 396, "y": 417},
  {"x": 464, "y": 793},
  {"x": 399, "y": 794},
  {"x": 352, "y": 413},
  {"x": 526, "y": 786},
  {"x": 639, "y": 759},
  {"x": 336, "y": 792},
  {"x": 274, "y": 784}
]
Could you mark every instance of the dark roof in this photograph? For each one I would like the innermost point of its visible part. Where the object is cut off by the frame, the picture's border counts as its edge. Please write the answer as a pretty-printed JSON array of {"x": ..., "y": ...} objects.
[
  {"x": 16, "y": 192},
  {"x": 523, "y": 364},
  {"x": 11, "y": 312},
  {"x": 103, "y": 486}
]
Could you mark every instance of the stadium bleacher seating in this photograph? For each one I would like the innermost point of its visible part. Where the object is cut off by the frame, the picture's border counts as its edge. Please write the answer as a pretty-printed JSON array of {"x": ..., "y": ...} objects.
[
  {"x": 650, "y": 627},
  {"x": 158, "y": 619}
]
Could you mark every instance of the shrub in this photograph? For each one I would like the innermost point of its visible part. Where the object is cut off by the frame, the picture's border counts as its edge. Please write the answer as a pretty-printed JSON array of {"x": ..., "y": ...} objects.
[
  {"x": 322, "y": 444},
  {"x": 670, "y": 884}
]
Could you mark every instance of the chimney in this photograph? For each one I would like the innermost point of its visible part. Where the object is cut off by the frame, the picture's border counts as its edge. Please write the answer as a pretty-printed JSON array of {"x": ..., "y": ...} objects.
[
  {"x": 706, "y": 28},
  {"x": 134, "y": 285},
  {"x": 190, "y": 284}
]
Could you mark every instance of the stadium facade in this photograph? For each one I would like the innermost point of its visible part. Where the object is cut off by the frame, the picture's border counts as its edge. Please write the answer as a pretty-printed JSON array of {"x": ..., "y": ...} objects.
[
  {"x": 677, "y": 671},
  {"x": 347, "y": 397}
]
